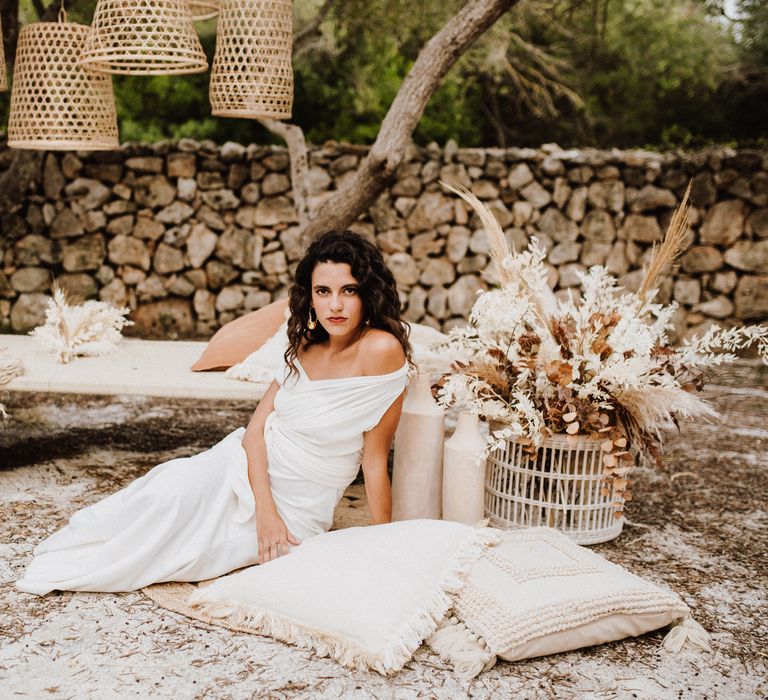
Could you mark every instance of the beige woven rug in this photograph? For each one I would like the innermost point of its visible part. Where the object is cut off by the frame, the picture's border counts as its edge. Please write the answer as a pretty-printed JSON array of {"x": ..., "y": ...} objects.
[{"x": 173, "y": 597}]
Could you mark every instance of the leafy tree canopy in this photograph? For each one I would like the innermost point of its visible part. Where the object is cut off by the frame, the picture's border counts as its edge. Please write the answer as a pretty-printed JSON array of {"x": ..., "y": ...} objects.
[{"x": 579, "y": 72}]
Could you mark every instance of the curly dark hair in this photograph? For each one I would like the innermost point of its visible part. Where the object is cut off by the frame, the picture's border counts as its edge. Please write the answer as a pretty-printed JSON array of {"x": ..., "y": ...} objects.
[{"x": 376, "y": 286}]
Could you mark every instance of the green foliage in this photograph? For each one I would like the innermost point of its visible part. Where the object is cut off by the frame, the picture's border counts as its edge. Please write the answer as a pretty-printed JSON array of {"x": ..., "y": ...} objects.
[{"x": 669, "y": 73}]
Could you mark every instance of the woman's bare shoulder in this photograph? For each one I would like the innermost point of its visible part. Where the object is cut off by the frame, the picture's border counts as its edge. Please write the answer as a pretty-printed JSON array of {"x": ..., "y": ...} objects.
[{"x": 382, "y": 352}]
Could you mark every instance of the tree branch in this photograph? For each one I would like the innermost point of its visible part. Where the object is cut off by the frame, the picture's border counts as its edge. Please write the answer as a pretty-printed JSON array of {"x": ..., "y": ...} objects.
[
  {"x": 297, "y": 148},
  {"x": 9, "y": 16},
  {"x": 39, "y": 8},
  {"x": 22, "y": 175},
  {"x": 305, "y": 35},
  {"x": 387, "y": 152}
]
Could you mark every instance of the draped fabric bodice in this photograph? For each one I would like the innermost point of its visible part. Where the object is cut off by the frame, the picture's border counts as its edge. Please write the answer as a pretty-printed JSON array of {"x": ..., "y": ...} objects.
[{"x": 317, "y": 426}]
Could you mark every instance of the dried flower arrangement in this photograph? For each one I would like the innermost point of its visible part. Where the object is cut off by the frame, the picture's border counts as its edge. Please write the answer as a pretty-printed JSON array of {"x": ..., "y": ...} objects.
[
  {"x": 91, "y": 328},
  {"x": 598, "y": 366}
]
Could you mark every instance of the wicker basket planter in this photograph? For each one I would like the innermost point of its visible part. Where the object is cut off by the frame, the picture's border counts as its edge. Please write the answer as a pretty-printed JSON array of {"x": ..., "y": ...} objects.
[{"x": 562, "y": 486}]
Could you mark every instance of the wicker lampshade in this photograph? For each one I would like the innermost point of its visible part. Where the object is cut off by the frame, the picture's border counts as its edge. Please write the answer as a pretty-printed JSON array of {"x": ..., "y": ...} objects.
[
  {"x": 252, "y": 74},
  {"x": 56, "y": 104},
  {"x": 3, "y": 74},
  {"x": 143, "y": 37},
  {"x": 204, "y": 9}
]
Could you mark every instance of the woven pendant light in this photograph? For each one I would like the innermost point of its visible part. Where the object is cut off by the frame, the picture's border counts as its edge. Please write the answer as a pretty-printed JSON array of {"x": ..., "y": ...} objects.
[
  {"x": 55, "y": 104},
  {"x": 252, "y": 74},
  {"x": 203, "y": 9},
  {"x": 3, "y": 74},
  {"x": 143, "y": 37}
]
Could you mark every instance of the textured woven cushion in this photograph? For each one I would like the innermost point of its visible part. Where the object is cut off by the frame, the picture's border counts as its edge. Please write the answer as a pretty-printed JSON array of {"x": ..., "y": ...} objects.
[
  {"x": 366, "y": 596},
  {"x": 234, "y": 341},
  {"x": 539, "y": 593}
]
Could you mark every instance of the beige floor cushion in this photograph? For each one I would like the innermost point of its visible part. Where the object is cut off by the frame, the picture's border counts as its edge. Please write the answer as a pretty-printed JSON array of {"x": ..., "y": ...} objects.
[
  {"x": 365, "y": 596},
  {"x": 539, "y": 593}
]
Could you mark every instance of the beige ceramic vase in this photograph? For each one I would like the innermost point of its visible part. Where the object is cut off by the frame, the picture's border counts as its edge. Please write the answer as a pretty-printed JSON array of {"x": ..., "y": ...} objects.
[
  {"x": 417, "y": 474},
  {"x": 464, "y": 472}
]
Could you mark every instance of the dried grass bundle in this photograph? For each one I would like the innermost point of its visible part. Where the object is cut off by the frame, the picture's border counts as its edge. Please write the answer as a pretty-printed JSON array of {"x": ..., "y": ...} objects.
[
  {"x": 497, "y": 241},
  {"x": 92, "y": 328},
  {"x": 672, "y": 247},
  {"x": 10, "y": 367},
  {"x": 654, "y": 406}
]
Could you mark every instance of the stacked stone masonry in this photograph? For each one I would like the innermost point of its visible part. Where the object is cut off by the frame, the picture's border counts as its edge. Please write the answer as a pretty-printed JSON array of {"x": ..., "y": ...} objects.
[{"x": 191, "y": 235}]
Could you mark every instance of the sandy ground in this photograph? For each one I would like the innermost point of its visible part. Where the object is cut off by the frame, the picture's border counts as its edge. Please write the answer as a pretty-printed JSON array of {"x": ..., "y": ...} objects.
[{"x": 699, "y": 525}]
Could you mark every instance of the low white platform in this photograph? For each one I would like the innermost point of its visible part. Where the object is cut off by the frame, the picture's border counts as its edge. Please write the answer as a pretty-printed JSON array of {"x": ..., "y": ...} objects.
[{"x": 138, "y": 367}]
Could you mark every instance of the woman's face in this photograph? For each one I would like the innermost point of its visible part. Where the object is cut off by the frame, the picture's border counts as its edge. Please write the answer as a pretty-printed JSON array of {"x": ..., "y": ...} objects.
[{"x": 336, "y": 299}]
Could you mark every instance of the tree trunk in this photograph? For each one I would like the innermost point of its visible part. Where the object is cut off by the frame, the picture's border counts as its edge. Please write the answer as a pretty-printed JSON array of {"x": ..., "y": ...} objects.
[
  {"x": 387, "y": 152},
  {"x": 297, "y": 149},
  {"x": 9, "y": 15},
  {"x": 22, "y": 175}
]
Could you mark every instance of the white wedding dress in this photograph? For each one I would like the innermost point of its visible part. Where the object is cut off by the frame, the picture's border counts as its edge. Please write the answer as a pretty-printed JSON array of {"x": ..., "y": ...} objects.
[{"x": 194, "y": 518}]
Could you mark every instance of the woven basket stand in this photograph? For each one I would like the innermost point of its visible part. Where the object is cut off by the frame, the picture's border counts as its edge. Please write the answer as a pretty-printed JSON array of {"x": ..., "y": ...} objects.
[{"x": 560, "y": 487}]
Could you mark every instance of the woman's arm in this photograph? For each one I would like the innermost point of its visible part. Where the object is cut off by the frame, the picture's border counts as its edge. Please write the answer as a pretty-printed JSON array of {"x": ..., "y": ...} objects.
[
  {"x": 376, "y": 444},
  {"x": 384, "y": 354},
  {"x": 270, "y": 526}
]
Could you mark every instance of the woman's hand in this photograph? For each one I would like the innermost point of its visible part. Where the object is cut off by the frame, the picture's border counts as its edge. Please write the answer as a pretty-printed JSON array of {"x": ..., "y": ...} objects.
[{"x": 274, "y": 537}]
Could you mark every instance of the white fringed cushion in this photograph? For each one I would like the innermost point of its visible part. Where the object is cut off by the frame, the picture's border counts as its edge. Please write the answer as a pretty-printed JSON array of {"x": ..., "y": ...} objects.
[
  {"x": 366, "y": 596},
  {"x": 539, "y": 593}
]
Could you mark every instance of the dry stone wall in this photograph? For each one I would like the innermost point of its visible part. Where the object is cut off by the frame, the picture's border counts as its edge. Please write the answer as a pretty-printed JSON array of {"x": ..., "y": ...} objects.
[{"x": 191, "y": 235}]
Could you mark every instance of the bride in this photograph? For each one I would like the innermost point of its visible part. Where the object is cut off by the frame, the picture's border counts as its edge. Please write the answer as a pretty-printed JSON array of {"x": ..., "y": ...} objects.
[{"x": 331, "y": 408}]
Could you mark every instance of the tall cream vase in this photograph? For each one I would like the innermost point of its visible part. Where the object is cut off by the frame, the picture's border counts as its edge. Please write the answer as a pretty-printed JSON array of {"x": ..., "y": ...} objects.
[
  {"x": 464, "y": 472},
  {"x": 417, "y": 474}
]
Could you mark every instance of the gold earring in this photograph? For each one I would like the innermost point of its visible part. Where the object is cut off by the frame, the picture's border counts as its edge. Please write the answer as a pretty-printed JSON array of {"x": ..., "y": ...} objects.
[{"x": 311, "y": 322}]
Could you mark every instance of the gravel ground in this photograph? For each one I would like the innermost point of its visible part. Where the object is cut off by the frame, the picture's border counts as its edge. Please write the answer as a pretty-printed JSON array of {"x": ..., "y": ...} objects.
[{"x": 699, "y": 525}]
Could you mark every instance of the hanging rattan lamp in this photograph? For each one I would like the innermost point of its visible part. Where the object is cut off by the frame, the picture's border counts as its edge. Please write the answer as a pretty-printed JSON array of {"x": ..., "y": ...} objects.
[
  {"x": 143, "y": 37},
  {"x": 251, "y": 74},
  {"x": 204, "y": 9},
  {"x": 56, "y": 104},
  {"x": 3, "y": 74}
]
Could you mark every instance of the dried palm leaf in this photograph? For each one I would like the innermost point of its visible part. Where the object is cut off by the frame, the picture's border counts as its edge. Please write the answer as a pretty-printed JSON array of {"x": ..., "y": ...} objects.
[{"x": 674, "y": 243}]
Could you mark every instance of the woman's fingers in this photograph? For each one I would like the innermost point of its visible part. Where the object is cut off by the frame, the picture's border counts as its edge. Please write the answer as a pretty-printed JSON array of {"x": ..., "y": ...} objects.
[{"x": 275, "y": 546}]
